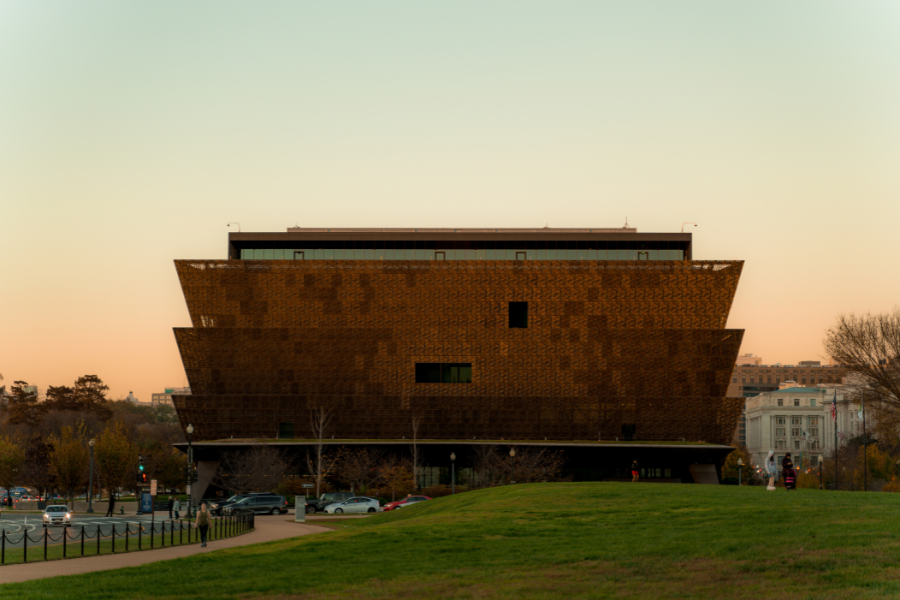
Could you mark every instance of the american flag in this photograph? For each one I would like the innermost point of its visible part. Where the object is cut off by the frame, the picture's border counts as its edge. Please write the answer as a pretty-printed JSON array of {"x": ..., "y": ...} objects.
[
  {"x": 841, "y": 435},
  {"x": 834, "y": 408}
]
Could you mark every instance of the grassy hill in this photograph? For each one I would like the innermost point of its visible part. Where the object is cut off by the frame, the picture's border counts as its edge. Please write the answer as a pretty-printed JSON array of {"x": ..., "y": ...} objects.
[{"x": 562, "y": 540}]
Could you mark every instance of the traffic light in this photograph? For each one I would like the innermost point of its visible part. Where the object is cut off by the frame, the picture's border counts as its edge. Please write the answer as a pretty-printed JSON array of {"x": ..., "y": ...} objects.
[
  {"x": 140, "y": 463},
  {"x": 143, "y": 478},
  {"x": 194, "y": 476}
]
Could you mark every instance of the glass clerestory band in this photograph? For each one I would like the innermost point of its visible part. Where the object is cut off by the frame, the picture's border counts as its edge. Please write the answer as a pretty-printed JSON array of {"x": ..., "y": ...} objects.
[{"x": 415, "y": 250}]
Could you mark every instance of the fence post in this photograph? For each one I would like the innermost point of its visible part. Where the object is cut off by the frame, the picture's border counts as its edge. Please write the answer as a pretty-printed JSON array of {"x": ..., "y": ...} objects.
[
  {"x": 45, "y": 542},
  {"x": 113, "y": 537},
  {"x": 152, "y": 531},
  {"x": 172, "y": 533},
  {"x": 98, "y": 539},
  {"x": 127, "y": 531},
  {"x": 181, "y": 532},
  {"x": 3, "y": 548},
  {"x": 25, "y": 547},
  {"x": 140, "y": 533},
  {"x": 82, "y": 539},
  {"x": 65, "y": 539}
]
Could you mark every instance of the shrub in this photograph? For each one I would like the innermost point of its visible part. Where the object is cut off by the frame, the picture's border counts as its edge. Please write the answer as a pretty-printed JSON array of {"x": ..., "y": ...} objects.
[{"x": 891, "y": 486}]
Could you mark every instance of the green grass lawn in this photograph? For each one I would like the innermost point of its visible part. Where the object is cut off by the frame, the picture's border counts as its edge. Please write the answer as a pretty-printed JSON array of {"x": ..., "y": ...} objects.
[{"x": 561, "y": 540}]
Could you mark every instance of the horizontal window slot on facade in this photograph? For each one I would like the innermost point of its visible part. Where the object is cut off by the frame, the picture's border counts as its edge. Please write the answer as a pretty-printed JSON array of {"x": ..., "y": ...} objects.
[
  {"x": 439, "y": 254},
  {"x": 443, "y": 372}
]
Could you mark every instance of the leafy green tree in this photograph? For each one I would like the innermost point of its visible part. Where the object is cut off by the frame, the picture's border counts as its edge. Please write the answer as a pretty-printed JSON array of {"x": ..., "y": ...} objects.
[
  {"x": 61, "y": 398},
  {"x": 90, "y": 395},
  {"x": 116, "y": 456},
  {"x": 730, "y": 468},
  {"x": 11, "y": 459},
  {"x": 69, "y": 458},
  {"x": 22, "y": 407}
]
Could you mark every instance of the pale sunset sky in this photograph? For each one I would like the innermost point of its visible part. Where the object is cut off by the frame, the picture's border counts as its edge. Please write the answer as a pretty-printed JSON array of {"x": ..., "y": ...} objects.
[{"x": 132, "y": 132}]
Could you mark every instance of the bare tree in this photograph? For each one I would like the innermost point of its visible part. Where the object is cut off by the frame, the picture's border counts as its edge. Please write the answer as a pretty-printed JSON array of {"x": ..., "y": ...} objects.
[
  {"x": 258, "y": 469},
  {"x": 868, "y": 348},
  {"x": 486, "y": 462},
  {"x": 360, "y": 467},
  {"x": 530, "y": 464},
  {"x": 416, "y": 421},
  {"x": 319, "y": 420}
]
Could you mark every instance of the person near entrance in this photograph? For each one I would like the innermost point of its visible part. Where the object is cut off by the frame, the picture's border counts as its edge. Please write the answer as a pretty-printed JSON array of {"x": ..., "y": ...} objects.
[
  {"x": 635, "y": 471},
  {"x": 112, "y": 504},
  {"x": 171, "y": 504}
]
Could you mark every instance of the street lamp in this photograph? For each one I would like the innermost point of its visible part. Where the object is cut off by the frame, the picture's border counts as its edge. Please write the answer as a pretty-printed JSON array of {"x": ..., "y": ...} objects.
[
  {"x": 189, "y": 429},
  {"x": 90, "y": 507},
  {"x": 740, "y": 464},
  {"x": 452, "y": 472},
  {"x": 821, "y": 462},
  {"x": 512, "y": 456}
]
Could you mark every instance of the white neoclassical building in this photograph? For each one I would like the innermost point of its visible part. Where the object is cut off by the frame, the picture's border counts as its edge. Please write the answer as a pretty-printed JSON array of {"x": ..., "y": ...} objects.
[{"x": 798, "y": 420}]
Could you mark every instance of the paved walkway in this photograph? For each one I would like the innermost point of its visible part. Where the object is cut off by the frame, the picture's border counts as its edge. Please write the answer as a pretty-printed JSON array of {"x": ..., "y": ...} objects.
[{"x": 267, "y": 529}]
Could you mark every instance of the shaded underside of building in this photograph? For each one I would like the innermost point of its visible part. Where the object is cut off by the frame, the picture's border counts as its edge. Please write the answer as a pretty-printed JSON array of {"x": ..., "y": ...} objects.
[
  {"x": 579, "y": 461},
  {"x": 458, "y": 349}
]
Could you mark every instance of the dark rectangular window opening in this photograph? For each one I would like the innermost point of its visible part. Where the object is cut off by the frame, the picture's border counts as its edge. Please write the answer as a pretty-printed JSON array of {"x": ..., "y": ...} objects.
[
  {"x": 628, "y": 432},
  {"x": 518, "y": 315},
  {"x": 285, "y": 431},
  {"x": 443, "y": 372}
]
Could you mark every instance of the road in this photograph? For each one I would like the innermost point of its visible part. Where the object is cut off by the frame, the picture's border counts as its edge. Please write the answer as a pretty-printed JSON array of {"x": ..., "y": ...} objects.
[{"x": 15, "y": 524}]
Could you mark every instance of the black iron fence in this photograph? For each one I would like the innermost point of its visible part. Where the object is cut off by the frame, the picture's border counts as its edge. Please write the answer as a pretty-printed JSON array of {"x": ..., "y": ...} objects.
[{"x": 114, "y": 538}]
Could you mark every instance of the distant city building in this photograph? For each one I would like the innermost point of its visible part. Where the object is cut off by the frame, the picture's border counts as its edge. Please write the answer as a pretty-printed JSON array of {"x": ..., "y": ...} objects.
[
  {"x": 165, "y": 398},
  {"x": 798, "y": 420},
  {"x": 748, "y": 360},
  {"x": 751, "y": 378}
]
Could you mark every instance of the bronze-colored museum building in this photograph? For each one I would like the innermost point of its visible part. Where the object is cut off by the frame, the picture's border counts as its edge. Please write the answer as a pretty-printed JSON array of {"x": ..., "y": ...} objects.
[{"x": 515, "y": 334}]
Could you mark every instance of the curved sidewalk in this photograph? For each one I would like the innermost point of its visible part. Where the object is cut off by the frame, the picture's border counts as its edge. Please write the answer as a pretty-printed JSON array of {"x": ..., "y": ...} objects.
[{"x": 266, "y": 530}]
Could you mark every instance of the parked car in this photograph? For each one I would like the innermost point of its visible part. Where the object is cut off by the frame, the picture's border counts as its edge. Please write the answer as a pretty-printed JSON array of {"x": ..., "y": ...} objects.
[
  {"x": 216, "y": 508},
  {"x": 314, "y": 505},
  {"x": 57, "y": 514},
  {"x": 358, "y": 504},
  {"x": 263, "y": 504},
  {"x": 409, "y": 500}
]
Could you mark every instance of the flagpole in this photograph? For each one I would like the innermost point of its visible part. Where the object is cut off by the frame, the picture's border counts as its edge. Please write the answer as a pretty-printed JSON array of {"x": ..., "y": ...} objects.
[
  {"x": 834, "y": 415},
  {"x": 865, "y": 455}
]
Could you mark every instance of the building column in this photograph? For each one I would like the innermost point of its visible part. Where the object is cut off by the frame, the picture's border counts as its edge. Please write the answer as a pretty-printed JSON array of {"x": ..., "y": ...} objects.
[{"x": 206, "y": 469}]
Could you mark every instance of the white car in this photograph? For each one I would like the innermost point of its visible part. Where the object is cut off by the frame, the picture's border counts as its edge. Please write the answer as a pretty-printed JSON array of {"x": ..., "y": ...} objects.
[
  {"x": 58, "y": 514},
  {"x": 359, "y": 504}
]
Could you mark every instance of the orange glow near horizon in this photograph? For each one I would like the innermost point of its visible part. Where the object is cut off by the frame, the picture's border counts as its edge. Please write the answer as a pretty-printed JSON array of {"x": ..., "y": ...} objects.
[{"x": 132, "y": 133}]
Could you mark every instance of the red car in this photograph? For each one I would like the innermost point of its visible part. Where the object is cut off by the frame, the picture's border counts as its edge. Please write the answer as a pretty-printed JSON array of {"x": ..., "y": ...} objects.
[{"x": 405, "y": 502}]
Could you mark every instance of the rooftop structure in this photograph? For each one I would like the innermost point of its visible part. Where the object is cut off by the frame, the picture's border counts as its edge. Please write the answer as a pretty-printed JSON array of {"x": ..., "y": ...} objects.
[{"x": 459, "y": 244}]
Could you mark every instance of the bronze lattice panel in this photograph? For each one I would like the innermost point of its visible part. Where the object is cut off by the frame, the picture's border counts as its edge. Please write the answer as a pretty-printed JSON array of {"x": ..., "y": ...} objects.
[{"x": 608, "y": 343}]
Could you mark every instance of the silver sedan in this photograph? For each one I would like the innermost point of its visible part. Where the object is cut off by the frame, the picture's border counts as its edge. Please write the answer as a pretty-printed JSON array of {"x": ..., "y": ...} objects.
[
  {"x": 354, "y": 505},
  {"x": 57, "y": 514}
]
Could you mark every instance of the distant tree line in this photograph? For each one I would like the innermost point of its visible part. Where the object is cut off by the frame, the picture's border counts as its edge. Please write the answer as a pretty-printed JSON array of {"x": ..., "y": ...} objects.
[{"x": 44, "y": 444}]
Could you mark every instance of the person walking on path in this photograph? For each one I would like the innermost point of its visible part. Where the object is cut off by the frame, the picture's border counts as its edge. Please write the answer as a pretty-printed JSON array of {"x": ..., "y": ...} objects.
[
  {"x": 112, "y": 504},
  {"x": 171, "y": 504},
  {"x": 176, "y": 506},
  {"x": 635, "y": 471},
  {"x": 202, "y": 524},
  {"x": 771, "y": 470}
]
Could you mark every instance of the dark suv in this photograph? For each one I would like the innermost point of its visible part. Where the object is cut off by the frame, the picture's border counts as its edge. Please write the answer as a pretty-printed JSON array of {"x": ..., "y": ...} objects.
[
  {"x": 314, "y": 505},
  {"x": 265, "y": 504},
  {"x": 217, "y": 507}
]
